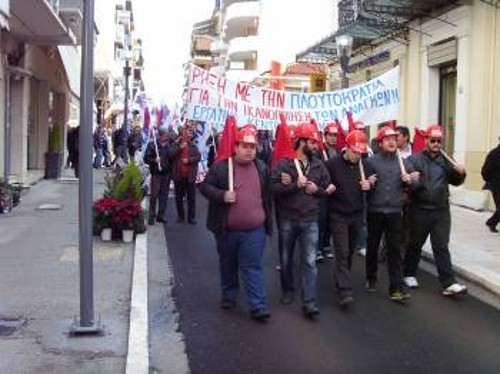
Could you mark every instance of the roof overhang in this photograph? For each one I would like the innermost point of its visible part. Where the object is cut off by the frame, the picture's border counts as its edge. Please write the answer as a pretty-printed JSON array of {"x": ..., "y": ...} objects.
[
  {"x": 37, "y": 22},
  {"x": 370, "y": 20}
]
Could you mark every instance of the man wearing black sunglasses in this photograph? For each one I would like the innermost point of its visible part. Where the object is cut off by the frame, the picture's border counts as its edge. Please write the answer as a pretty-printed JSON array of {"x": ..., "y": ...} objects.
[{"x": 430, "y": 211}]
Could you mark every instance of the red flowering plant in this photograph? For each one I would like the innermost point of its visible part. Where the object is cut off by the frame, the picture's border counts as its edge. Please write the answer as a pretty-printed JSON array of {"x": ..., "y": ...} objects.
[
  {"x": 129, "y": 215},
  {"x": 103, "y": 211}
]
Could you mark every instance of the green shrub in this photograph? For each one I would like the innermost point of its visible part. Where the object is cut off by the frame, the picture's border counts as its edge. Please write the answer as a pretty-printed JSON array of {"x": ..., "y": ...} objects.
[
  {"x": 129, "y": 186},
  {"x": 55, "y": 141}
]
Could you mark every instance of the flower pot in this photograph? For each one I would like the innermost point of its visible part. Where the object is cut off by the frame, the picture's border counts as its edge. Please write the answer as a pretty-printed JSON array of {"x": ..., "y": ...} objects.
[
  {"x": 106, "y": 234},
  {"x": 127, "y": 236}
]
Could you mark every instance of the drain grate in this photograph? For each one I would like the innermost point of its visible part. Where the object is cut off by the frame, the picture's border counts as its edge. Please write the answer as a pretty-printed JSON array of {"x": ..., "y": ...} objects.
[{"x": 9, "y": 325}]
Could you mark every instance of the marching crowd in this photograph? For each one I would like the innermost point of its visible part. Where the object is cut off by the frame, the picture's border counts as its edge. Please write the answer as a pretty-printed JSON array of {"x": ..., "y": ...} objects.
[{"x": 319, "y": 194}]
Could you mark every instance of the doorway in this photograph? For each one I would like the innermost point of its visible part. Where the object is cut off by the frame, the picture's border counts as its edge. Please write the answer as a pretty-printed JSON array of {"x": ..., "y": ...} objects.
[{"x": 447, "y": 106}]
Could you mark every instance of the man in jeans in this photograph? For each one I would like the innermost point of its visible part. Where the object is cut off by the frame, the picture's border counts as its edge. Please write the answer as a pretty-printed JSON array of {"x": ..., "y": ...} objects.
[
  {"x": 298, "y": 184},
  {"x": 430, "y": 212},
  {"x": 240, "y": 220}
]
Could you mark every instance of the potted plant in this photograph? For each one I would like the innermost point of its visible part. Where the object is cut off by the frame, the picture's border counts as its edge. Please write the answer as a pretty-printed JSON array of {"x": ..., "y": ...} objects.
[
  {"x": 127, "y": 218},
  {"x": 6, "y": 198},
  {"x": 54, "y": 155},
  {"x": 103, "y": 210}
]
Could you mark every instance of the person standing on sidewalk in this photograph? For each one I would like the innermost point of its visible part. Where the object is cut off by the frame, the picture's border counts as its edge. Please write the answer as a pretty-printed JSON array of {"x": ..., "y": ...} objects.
[
  {"x": 430, "y": 212},
  {"x": 240, "y": 220},
  {"x": 185, "y": 158},
  {"x": 491, "y": 175},
  {"x": 157, "y": 156},
  {"x": 384, "y": 214},
  {"x": 298, "y": 195},
  {"x": 346, "y": 205}
]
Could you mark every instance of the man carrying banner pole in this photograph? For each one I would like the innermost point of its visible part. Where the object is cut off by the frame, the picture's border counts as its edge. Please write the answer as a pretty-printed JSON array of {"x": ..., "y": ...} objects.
[{"x": 240, "y": 220}]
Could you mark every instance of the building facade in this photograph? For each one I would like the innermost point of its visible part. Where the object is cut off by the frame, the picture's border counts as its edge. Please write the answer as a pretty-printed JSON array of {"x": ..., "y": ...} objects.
[{"x": 449, "y": 57}]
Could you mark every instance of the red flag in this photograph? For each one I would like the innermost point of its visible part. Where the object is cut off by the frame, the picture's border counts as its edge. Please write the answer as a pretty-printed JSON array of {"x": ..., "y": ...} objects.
[
  {"x": 227, "y": 141},
  {"x": 341, "y": 135},
  {"x": 418, "y": 144},
  {"x": 350, "y": 120},
  {"x": 283, "y": 147},
  {"x": 320, "y": 143},
  {"x": 147, "y": 117}
]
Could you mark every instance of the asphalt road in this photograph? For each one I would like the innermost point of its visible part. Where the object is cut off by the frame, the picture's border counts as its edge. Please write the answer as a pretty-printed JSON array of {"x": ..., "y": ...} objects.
[{"x": 433, "y": 334}]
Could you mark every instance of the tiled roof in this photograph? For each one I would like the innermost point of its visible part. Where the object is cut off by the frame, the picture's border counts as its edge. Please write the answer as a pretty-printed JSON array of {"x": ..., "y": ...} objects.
[{"x": 305, "y": 68}]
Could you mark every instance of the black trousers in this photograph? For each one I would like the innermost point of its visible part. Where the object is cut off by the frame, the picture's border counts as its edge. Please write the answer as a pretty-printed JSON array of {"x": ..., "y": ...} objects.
[
  {"x": 160, "y": 185},
  {"x": 392, "y": 225},
  {"x": 495, "y": 218},
  {"x": 437, "y": 224},
  {"x": 182, "y": 188},
  {"x": 345, "y": 229}
]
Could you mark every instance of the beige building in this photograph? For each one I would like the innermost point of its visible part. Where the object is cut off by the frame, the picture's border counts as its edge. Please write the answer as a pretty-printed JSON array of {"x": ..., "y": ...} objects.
[
  {"x": 39, "y": 81},
  {"x": 449, "y": 55}
]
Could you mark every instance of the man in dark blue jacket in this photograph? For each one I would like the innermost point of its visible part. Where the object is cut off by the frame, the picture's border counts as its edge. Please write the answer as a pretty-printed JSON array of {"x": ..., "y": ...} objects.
[
  {"x": 240, "y": 220},
  {"x": 430, "y": 211},
  {"x": 491, "y": 175}
]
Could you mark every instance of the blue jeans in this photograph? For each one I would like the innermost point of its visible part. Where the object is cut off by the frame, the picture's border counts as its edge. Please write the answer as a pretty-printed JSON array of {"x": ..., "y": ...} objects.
[
  {"x": 307, "y": 235},
  {"x": 243, "y": 250}
]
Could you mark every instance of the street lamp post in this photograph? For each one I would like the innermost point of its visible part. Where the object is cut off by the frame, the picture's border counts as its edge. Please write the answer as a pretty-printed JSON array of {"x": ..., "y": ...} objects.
[
  {"x": 344, "y": 49},
  {"x": 126, "y": 73}
]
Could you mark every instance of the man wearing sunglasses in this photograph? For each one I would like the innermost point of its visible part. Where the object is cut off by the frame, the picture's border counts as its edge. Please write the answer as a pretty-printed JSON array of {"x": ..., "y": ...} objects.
[{"x": 430, "y": 212}]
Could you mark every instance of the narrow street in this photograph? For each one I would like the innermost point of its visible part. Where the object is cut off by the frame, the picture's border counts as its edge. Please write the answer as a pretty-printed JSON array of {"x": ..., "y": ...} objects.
[{"x": 434, "y": 333}]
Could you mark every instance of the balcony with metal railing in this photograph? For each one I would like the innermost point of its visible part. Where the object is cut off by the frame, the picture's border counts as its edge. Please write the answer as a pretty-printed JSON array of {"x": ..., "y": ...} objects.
[
  {"x": 242, "y": 19},
  {"x": 243, "y": 48}
]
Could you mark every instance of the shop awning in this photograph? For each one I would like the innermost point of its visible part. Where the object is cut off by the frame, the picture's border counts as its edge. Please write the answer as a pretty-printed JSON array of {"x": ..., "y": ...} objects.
[{"x": 369, "y": 20}]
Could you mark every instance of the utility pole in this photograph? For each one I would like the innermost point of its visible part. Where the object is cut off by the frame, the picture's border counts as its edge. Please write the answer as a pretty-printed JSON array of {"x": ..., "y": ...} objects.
[{"x": 86, "y": 324}]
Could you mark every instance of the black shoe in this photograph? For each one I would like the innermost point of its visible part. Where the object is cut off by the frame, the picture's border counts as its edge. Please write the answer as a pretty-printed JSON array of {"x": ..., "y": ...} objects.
[
  {"x": 179, "y": 220},
  {"x": 227, "y": 304},
  {"x": 192, "y": 221},
  {"x": 287, "y": 298},
  {"x": 260, "y": 315},
  {"x": 328, "y": 254},
  {"x": 151, "y": 221},
  {"x": 346, "y": 300},
  {"x": 491, "y": 227},
  {"x": 160, "y": 219},
  {"x": 310, "y": 310}
]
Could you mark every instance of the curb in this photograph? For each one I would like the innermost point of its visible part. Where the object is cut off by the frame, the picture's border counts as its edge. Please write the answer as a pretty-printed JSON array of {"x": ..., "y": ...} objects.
[
  {"x": 138, "y": 342},
  {"x": 467, "y": 275}
]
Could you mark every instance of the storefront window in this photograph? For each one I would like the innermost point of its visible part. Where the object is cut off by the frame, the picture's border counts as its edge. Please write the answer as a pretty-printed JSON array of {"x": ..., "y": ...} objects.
[{"x": 447, "y": 107}]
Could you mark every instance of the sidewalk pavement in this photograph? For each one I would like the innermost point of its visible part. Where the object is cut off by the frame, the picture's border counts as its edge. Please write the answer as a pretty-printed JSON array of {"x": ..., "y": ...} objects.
[
  {"x": 39, "y": 284},
  {"x": 475, "y": 253},
  {"x": 40, "y": 287}
]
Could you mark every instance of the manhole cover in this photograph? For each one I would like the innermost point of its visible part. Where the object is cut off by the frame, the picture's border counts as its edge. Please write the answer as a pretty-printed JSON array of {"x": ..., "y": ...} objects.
[
  {"x": 9, "y": 325},
  {"x": 49, "y": 207}
]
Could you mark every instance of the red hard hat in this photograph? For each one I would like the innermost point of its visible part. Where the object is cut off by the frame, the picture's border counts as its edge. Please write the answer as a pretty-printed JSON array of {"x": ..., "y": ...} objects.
[
  {"x": 331, "y": 127},
  {"x": 434, "y": 131},
  {"x": 385, "y": 132},
  {"x": 356, "y": 140},
  {"x": 247, "y": 134},
  {"x": 307, "y": 131}
]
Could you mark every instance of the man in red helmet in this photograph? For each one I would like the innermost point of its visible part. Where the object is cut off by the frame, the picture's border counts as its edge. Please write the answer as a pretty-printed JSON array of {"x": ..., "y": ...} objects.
[
  {"x": 384, "y": 212},
  {"x": 298, "y": 184},
  {"x": 430, "y": 212},
  {"x": 240, "y": 220},
  {"x": 346, "y": 206}
]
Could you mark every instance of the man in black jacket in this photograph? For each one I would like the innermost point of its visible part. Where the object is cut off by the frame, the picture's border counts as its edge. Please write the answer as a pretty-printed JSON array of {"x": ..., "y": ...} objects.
[
  {"x": 346, "y": 206},
  {"x": 157, "y": 156},
  {"x": 240, "y": 220},
  {"x": 430, "y": 212},
  {"x": 491, "y": 175},
  {"x": 298, "y": 184}
]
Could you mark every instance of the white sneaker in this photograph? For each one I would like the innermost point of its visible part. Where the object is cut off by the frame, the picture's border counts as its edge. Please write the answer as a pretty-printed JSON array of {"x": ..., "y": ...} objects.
[
  {"x": 454, "y": 289},
  {"x": 411, "y": 282},
  {"x": 361, "y": 252}
]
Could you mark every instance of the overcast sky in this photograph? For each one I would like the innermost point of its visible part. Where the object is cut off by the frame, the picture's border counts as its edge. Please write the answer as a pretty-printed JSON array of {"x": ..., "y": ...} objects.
[{"x": 165, "y": 27}]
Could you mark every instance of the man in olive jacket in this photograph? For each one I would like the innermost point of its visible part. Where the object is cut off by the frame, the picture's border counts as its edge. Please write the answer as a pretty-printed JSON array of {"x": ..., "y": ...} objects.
[
  {"x": 491, "y": 175},
  {"x": 240, "y": 220}
]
